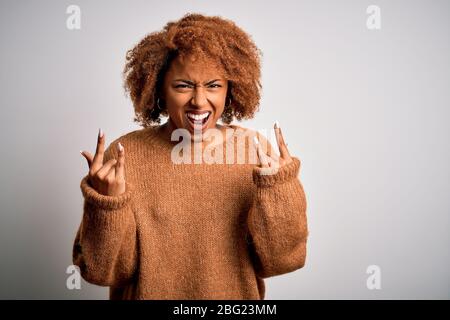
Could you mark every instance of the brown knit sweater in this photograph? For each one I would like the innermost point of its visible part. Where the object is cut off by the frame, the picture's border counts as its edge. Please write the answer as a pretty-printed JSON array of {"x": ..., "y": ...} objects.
[{"x": 191, "y": 231}]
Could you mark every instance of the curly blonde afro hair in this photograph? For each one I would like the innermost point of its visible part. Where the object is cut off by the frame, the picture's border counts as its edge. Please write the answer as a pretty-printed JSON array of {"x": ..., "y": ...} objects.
[{"x": 195, "y": 34}]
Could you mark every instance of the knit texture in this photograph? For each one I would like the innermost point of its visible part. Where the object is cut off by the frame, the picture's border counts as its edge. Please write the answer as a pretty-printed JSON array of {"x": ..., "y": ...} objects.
[{"x": 191, "y": 231}]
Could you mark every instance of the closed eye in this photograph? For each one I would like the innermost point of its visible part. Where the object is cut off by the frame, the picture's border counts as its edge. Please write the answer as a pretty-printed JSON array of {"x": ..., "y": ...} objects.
[{"x": 186, "y": 85}]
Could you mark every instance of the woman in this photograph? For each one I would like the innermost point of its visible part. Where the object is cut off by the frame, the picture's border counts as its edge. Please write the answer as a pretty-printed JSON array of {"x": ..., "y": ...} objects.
[{"x": 213, "y": 223}]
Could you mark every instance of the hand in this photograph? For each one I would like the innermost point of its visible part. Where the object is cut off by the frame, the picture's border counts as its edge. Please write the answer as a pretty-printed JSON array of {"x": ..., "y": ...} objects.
[
  {"x": 272, "y": 160},
  {"x": 106, "y": 178}
]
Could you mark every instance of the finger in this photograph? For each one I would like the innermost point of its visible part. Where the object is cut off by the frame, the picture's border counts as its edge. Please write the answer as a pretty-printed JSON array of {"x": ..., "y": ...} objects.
[
  {"x": 267, "y": 149},
  {"x": 120, "y": 167},
  {"x": 272, "y": 156},
  {"x": 261, "y": 155},
  {"x": 103, "y": 172},
  {"x": 274, "y": 162},
  {"x": 284, "y": 153},
  {"x": 99, "y": 151},
  {"x": 88, "y": 157},
  {"x": 263, "y": 158},
  {"x": 111, "y": 175}
]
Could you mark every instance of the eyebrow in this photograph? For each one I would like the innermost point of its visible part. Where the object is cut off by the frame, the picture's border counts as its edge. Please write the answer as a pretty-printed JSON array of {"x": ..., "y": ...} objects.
[{"x": 190, "y": 82}]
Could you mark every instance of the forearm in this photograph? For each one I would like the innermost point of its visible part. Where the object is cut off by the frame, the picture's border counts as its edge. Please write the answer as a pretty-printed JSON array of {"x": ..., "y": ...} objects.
[
  {"x": 277, "y": 221},
  {"x": 105, "y": 244}
]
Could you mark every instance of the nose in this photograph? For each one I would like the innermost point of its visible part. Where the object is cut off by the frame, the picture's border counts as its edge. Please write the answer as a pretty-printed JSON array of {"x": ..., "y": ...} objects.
[{"x": 199, "y": 98}]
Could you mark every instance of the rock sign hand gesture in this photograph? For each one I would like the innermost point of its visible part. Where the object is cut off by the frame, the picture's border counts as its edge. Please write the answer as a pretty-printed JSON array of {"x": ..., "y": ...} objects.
[{"x": 106, "y": 178}]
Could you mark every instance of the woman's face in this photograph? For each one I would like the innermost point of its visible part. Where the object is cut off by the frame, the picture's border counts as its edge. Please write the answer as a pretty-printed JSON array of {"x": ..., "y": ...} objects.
[{"x": 194, "y": 93}]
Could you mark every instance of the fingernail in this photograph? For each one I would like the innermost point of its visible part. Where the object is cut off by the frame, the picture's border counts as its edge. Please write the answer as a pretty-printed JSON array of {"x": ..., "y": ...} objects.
[
  {"x": 120, "y": 147},
  {"x": 100, "y": 132},
  {"x": 255, "y": 139},
  {"x": 276, "y": 125},
  {"x": 81, "y": 153}
]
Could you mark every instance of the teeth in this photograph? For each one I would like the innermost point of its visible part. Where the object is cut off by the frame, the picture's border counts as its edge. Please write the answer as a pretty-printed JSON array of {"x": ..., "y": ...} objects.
[{"x": 198, "y": 116}]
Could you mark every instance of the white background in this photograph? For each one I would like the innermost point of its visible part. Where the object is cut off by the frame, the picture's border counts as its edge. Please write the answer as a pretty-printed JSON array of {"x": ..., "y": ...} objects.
[{"x": 366, "y": 111}]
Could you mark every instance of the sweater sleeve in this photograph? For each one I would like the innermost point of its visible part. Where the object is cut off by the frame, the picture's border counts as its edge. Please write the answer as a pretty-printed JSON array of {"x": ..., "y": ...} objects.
[
  {"x": 105, "y": 246},
  {"x": 277, "y": 221}
]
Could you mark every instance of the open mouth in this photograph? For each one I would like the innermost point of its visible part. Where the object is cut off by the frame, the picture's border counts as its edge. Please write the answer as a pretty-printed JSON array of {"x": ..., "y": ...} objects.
[{"x": 198, "y": 121}]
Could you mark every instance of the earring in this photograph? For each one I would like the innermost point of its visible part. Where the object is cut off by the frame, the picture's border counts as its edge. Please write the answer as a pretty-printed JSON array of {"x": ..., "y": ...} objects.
[
  {"x": 229, "y": 102},
  {"x": 157, "y": 104}
]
